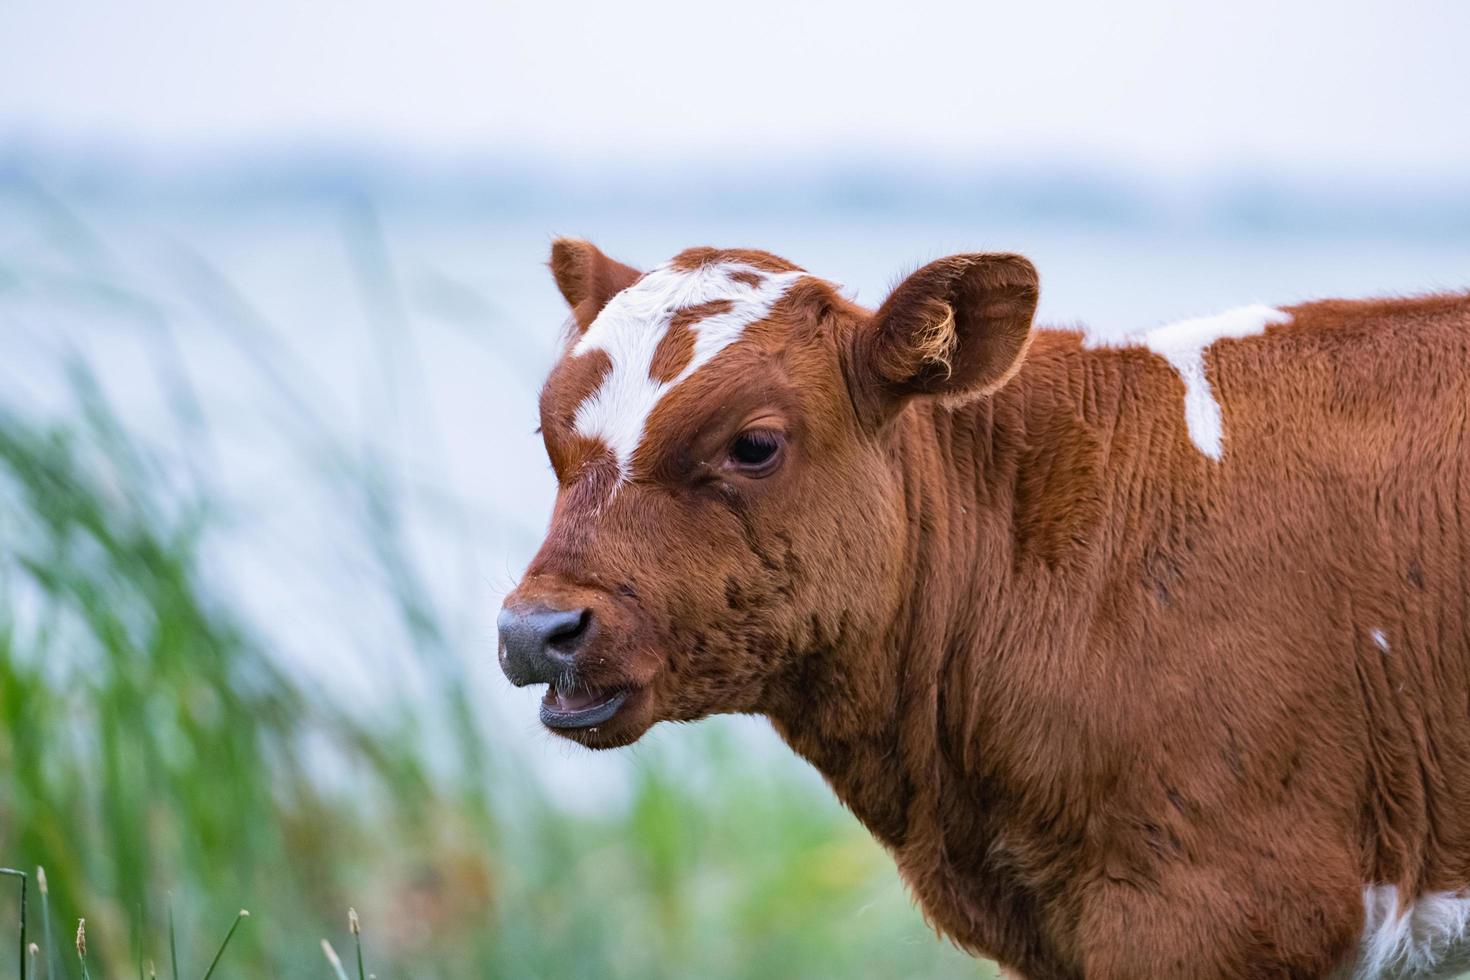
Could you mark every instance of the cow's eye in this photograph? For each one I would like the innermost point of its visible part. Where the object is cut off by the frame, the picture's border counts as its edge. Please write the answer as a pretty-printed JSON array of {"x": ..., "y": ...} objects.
[{"x": 756, "y": 452}]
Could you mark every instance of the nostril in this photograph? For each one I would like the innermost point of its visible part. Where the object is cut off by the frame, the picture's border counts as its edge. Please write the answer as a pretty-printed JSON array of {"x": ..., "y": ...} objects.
[{"x": 569, "y": 628}]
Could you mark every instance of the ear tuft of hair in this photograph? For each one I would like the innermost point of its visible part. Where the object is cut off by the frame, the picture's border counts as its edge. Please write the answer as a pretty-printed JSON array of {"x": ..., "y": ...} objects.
[{"x": 935, "y": 342}]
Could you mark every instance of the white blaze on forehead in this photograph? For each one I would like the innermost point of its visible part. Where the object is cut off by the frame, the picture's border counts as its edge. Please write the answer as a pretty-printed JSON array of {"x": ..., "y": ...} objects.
[
  {"x": 1183, "y": 345},
  {"x": 633, "y": 322}
]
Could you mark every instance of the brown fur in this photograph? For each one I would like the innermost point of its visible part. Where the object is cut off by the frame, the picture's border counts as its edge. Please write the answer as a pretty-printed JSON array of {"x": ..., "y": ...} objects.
[
  {"x": 677, "y": 347},
  {"x": 1113, "y": 706},
  {"x": 693, "y": 258},
  {"x": 587, "y": 278}
]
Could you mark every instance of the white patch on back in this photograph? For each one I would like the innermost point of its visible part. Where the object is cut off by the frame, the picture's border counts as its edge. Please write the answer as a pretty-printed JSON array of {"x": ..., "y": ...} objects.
[
  {"x": 633, "y": 322},
  {"x": 1380, "y": 639},
  {"x": 1183, "y": 345},
  {"x": 1428, "y": 939}
]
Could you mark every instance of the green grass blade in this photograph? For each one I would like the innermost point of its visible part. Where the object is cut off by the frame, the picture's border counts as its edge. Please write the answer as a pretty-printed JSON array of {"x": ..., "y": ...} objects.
[
  {"x": 173, "y": 944},
  {"x": 355, "y": 925},
  {"x": 22, "y": 876},
  {"x": 52, "y": 960},
  {"x": 243, "y": 915}
]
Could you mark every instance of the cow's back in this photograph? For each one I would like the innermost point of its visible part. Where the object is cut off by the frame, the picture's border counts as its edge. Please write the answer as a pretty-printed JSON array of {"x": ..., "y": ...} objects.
[{"x": 1342, "y": 511}]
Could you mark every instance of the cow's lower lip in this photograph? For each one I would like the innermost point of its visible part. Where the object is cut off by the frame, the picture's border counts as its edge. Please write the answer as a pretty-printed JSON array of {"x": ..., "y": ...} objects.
[{"x": 559, "y": 712}]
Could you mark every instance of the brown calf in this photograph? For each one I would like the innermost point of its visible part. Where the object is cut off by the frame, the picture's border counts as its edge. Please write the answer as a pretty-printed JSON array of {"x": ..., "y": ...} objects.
[{"x": 1143, "y": 661}]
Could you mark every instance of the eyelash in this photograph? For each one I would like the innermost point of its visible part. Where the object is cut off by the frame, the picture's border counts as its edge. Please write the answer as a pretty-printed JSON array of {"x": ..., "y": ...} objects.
[{"x": 755, "y": 451}]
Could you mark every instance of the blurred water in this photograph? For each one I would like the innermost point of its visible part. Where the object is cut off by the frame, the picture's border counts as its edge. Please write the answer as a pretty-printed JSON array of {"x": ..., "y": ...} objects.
[{"x": 420, "y": 335}]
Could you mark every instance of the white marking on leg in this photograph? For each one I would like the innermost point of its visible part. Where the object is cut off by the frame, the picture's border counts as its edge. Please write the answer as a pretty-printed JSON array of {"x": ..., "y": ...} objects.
[
  {"x": 1380, "y": 639},
  {"x": 1428, "y": 937},
  {"x": 1183, "y": 345},
  {"x": 633, "y": 322}
]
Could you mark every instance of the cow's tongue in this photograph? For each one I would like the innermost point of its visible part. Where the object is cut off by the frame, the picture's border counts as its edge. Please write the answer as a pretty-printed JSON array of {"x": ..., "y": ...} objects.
[{"x": 578, "y": 700}]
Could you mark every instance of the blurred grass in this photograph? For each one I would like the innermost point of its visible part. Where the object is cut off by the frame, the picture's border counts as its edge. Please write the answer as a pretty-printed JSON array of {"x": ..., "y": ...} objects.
[{"x": 155, "y": 753}]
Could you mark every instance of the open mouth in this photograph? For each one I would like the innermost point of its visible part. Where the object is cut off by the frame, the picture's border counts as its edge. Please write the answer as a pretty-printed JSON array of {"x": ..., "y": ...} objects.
[{"x": 579, "y": 708}]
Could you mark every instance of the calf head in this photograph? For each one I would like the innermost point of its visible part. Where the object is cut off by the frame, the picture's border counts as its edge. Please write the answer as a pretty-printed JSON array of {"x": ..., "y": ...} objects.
[{"x": 728, "y": 499}]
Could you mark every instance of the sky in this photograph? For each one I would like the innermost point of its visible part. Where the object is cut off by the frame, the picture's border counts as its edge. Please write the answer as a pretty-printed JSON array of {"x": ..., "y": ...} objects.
[{"x": 1377, "y": 87}]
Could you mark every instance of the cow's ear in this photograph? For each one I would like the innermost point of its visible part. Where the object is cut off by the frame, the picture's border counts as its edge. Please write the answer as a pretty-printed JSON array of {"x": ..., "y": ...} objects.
[
  {"x": 587, "y": 278},
  {"x": 958, "y": 327}
]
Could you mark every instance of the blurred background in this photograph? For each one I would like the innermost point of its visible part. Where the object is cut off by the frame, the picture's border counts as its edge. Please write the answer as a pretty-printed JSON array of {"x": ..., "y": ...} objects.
[{"x": 273, "y": 316}]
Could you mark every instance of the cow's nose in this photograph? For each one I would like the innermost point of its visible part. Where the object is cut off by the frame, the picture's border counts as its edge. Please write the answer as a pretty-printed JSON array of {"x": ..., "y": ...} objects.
[{"x": 538, "y": 642}]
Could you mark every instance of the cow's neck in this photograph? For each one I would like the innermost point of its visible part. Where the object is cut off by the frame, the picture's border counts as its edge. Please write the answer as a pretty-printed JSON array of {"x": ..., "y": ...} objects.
[{"x": 1009, "y": 525}]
